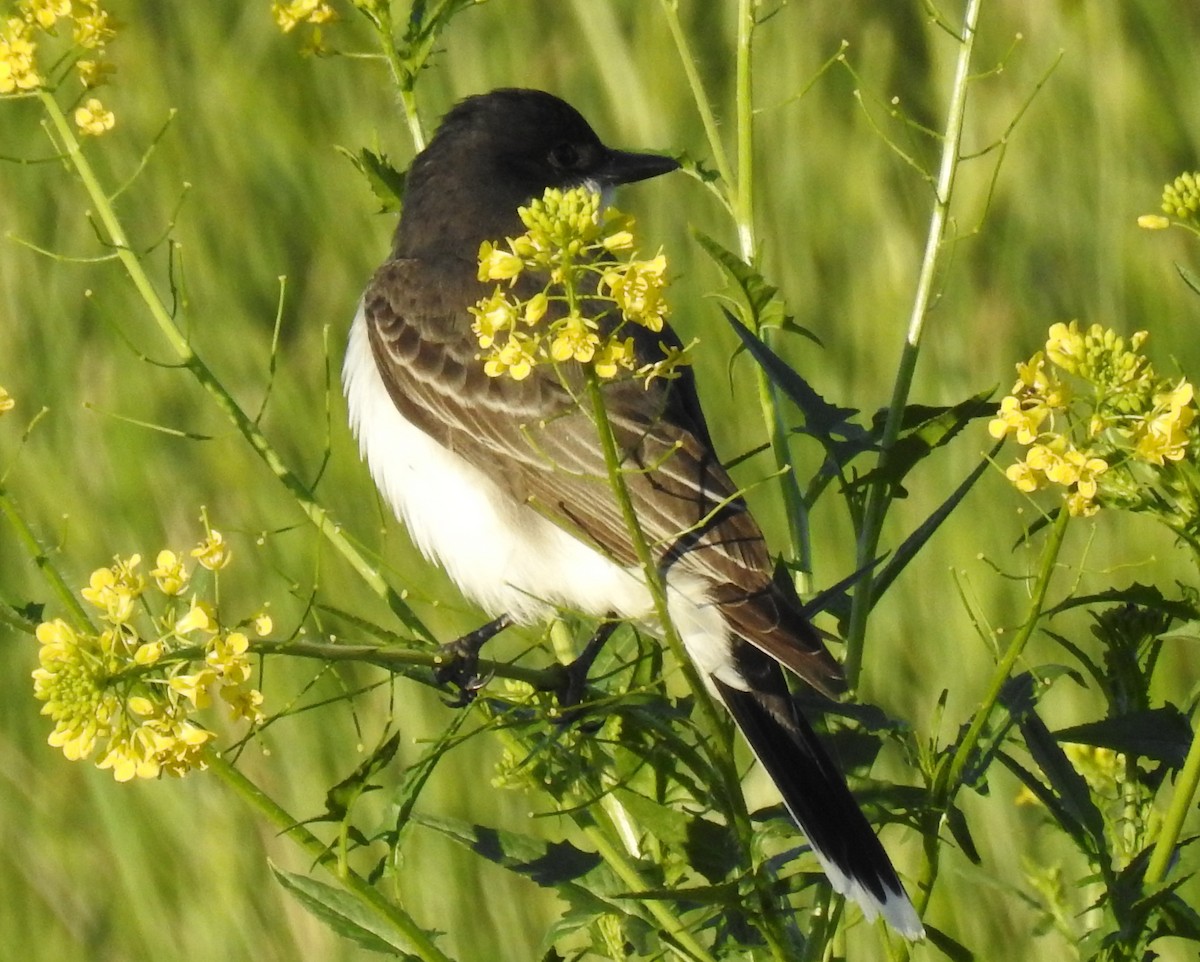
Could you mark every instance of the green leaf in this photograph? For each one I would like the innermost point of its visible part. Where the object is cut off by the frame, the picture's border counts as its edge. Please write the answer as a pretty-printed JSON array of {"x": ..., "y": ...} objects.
[
  {"x": 922, "y": 533},
  {"x": 1161, "y": 734},
  {"x": 1070, "y": 787},
  {"x": 549, "y": 864},
  {"x": 1190, "y": 279},
  {"x": 1144, "y": 596},
  {"x": 342, "y": 796},
  {"x": 923, "y": 430},
  {"x": 345, "y": 914},
  {"x": 955, "y": 951},
  {"x": 827, "y": 423},
  {"x": 385, "y": 181},
  {"x": 763, "y": 301}
]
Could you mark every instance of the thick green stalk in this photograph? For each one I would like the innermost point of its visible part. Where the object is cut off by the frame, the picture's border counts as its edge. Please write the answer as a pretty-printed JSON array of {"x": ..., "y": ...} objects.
[
  {"x": 396, "y": 659},
  {"x": 391, "y": 915},
  {"x": 654, "y": 581},
  {"x": 188, "y": 358},
  {"x": 879, "y": 496},
  {"x": 71, "y": 605},
  {"x": 1007, "y": 663},
  {"x": 1181, "y": 804},
  {"x": 949, "y": 780},
  {"x": 739, "y": 197}
]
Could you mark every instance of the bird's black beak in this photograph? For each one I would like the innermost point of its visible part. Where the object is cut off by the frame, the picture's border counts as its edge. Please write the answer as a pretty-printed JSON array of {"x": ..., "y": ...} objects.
[{"x": 626, "y": 167}]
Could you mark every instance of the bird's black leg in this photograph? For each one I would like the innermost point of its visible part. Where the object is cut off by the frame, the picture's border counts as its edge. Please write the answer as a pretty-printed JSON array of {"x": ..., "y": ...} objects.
[
  {"x": 570, "y": 692},
  {"x": 459, "y": 661}
]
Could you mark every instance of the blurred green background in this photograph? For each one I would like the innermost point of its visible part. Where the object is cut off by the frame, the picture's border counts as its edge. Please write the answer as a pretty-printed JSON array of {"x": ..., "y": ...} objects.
[{"x": 91, "y": 870}]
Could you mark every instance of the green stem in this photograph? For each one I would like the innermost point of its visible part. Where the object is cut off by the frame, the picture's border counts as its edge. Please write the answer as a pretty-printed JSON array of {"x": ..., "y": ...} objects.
[
  {"x": 398, "y": 659},
  {"x": 1004, "y": 667},
  {"x": 75, "y": 611},
  {"x": 739, "y": 195},
  {"x": 628, "y": 873},
  {"x": 1181, "y": 804},
  {"x": 879, "y": 496},
  {"x": 645, "y": 558},
  {"x": 316, "y": 512},
  {"x": 394, "y": 917}
]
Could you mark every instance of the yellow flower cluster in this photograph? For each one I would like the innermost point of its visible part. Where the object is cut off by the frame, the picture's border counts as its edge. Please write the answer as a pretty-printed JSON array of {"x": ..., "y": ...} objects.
[
  {"x": 1090, "y": 403},
  {"x": 7, "y": 403},
  {"x": 34, "y": 22},
  {"x": 592, "y": 286},
  {"x": 291, "y": 14},
  {"x": 1181, "y": 197},
  {"x": 129, "y": 690}
]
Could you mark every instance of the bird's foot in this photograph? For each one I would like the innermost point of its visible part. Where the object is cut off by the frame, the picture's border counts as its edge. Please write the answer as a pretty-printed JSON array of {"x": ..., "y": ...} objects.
[
  {"x": 458, "y": 662},
  {"x": 571, "y": 689}
]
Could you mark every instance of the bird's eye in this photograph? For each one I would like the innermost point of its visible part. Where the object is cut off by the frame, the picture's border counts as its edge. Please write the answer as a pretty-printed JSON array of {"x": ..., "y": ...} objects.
[{"x": 564, "y": 156}]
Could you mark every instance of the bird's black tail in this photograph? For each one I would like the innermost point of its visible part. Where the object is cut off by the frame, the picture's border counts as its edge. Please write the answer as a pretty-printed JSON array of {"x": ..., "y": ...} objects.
[{"x": 817, "y": 797}]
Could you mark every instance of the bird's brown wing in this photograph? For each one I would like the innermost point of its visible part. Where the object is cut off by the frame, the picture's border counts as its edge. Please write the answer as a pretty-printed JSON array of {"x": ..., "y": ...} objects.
[{"x": 539, "y": 443}]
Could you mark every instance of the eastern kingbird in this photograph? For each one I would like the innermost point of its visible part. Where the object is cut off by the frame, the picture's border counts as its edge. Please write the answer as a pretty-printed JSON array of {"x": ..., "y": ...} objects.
[{"x": 503, "y": 481}]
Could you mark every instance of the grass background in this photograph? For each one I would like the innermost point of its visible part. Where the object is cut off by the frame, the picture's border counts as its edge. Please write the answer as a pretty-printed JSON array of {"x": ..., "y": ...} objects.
[{"x": 177, "y": 870}]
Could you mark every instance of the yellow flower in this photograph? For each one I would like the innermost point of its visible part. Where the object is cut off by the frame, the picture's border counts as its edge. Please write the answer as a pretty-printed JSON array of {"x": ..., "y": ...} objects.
[
  {"x": 94, "y": 119},
  {"x": 94, "y": 73},
  {"x": 292, "y": 14},
  {"x": 637, "y": 289},
  {"x": 195, "y": 687},
  {"x": 1164, "y": 433},
  {"x": 493, "y": 316},
  {"x": 1023, "y": 477},
  {"x": 1023, "y": 418},
  {"x": 197, "y": 618},
  {"x": 18, "y": 71},
  {"x": 516, "y": 359},
  {"x": 114, "y": 590},
  {"x": 170, "y": 574},
  {"x": 535, "y": 308},
  {"x": 46, "y": 12},
  {"x": 1153, "y": 222},
  {"x": 1064, "y": 346},
  {"x": 213, "y": 553},
  {"x": 263, "y": 625},
  {"x": 92, "y": 28},
  {"x": 613, "y": 355},
  {"x": 573, "y": 339},
  {"x": 227, "y": 657},
  {"x": 7, "y": 403},
  {"x": 498, "y": 265},
  {"x": 245, "y": 703}
]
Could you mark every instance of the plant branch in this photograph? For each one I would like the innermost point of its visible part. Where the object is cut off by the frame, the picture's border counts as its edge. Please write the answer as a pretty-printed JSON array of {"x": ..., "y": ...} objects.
[
  {"x": 195, "y": 365},
  {"x": 391, "y": 915},
  {"x": 879, "y": 496}
]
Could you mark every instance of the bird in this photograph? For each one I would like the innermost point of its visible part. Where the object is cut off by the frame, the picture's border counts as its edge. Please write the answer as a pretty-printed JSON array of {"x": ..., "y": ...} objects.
[{"x": 502, "y": 481}]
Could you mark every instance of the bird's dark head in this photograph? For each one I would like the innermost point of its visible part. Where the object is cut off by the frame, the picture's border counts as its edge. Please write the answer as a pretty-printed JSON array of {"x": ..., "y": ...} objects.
[{"x": 497, "y": 151}]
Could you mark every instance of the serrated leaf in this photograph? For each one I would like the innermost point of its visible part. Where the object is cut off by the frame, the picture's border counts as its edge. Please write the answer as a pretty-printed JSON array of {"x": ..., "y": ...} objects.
[
  {"x": 1161, "y": 734},
  {"x": 961, "y": 832},
  {"x": 923, "y": 430},
  {"x": 342, "y": 795},
  {"x": 344, "y": 914},
  {"x": 953, "y": 950},
  {"x": 385, "y": 181},
  {"x": 1144, "y": 596},
  {"x": 1070, "y": 787},
  {"x": 765, "y": 306},
  {"x": 829, "y": 424},
  {"x": 549, "y": 864}
]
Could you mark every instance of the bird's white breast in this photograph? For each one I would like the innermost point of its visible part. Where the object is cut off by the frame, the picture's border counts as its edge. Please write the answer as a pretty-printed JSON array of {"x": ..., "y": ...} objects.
[{"x": 502, "y": 553}]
